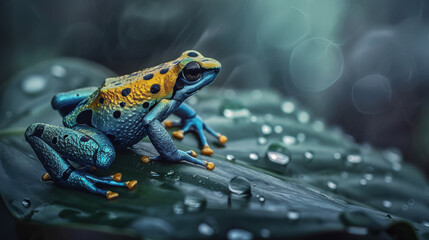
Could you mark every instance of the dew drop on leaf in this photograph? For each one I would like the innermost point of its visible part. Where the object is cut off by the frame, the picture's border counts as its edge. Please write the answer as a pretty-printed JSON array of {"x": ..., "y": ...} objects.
[
  {"x": 292, "y": 215},
  {"x": 205, "y": 229},
  {"x": 239, "y": 185},
  {"x": 26, "y": 203},
  {"x": 253, "y": 156},
  {"x": 278, "y": 158},
  {"x": 239, "y": 234}
]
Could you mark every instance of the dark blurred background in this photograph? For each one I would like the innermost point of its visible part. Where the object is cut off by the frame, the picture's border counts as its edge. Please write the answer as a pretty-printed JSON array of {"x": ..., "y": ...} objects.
[{"x": 362, "y": 65}]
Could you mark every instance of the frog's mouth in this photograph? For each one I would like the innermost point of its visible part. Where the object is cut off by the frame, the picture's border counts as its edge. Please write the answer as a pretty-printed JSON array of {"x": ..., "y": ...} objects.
[{"x": 184, "y": 88}]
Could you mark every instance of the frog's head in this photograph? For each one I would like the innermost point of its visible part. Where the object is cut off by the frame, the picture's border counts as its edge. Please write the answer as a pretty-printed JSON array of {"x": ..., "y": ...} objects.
[{"x": 196, "y": 72}]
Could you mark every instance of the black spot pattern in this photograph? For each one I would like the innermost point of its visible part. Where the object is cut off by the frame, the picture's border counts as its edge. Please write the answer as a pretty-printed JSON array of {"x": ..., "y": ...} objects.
[
  {"x": 85, "y": 117},
  {"x": 192, "y": 54},
  {"x": 125, "y": 92},
  {"x": 122, "y": 104},
  {"x": 155, "y": 88},
  {"x": 84, "y": 138},
  {"x": 65, "y": 136},
  {"x": 148, "y": 76},
  {"x": 146, "y": 105},
  {"x": 117, "y": 114},
  {"x": 54, "y": 140},
  {"x": 101, "y": 100},
  {"x": 38, "y": 131},
  {"x": 164, "y": 71}
]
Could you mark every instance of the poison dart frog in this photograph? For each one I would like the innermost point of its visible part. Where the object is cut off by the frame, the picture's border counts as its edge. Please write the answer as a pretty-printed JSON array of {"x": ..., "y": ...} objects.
[{"x": 98, "y": 121}]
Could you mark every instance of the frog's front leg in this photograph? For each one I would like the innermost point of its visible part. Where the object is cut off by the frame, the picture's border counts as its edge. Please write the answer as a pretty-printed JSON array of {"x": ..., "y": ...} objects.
[
  {"x": 54, "y": 146},
  {"x": 191, "y": 121},
  {"x": 166, "y": 148}
]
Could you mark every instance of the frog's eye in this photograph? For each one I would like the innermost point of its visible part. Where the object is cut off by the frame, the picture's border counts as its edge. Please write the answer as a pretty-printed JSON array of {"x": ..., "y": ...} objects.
[{"x": 192, "y": 71}]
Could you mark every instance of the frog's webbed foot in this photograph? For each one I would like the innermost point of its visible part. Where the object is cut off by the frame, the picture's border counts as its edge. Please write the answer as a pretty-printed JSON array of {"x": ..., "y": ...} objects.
[
  {"x": 197, "y": 125},
  {"x": 56, "y": 146}
]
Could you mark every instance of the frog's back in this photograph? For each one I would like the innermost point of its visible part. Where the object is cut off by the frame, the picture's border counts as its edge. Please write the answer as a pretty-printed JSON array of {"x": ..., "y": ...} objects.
[{"x": 118, "y": 107}]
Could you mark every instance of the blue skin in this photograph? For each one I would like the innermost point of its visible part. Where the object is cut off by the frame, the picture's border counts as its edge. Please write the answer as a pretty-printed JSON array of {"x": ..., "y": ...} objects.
[{"x": 90, "y": 147}]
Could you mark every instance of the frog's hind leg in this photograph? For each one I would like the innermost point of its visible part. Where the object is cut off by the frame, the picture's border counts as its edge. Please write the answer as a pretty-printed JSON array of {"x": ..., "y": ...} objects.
[
  {"x": 55, "y": 146},
  {"x": 66, "y": 102}
]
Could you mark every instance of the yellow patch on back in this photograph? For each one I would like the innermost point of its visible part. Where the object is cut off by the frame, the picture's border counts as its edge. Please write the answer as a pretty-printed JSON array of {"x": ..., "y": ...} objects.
[{"x": 134, "y": 89}]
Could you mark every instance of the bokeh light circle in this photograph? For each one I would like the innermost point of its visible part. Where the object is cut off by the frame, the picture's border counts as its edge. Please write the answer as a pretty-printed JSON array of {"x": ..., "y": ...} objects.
[
  {"x": 315, "y": 64},
  {"x": 372, "y": 94}
]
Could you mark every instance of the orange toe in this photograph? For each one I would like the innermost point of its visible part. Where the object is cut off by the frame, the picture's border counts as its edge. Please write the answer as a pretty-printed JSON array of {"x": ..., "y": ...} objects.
[
  {"x": 207, "y": 150},
  {"x": 222, "y": 139},
  {"x": 111, "y": 195},
  {"x": 178, "y": 134},
  {"x": 193, "y": 153},
  {"x": 210, "y": 166},
  {"x": 168, "y": 123},
  {"x": 117, "y": 177},
  {"x": 46, "y": 177},
  {"x": 131, "y": 184},
  {"x": 145, "y": 159}
]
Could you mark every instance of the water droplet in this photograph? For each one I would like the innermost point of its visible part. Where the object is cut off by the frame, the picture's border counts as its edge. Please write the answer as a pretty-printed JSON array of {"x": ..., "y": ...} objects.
[
  {"x": 265, "y": 233},
  {"x": 301, "y": 137},
  {"x": 34, "y": 84},
  {"x": 404, "y": 207},
  {"x": 425, "y": 223},
  {"x": 58, "y": 71},
  {"x": 354, "y": 158},
  {"x": 289, "y": 140},
  {"x": 396, "y": 166},
  {"x": 357, "y": 230},
  {"x": 318, "y": 126},
  {"x": 392, "y": 155},
  {"x": 363, "y": 182},
  {"x": 411, "y": 202},
  {"x": 278, "y": 129},
  {"x": 253, "y": 156},
  {"x": 253, "y": 119},
  {"x": 239, "y": 234},
  {"x": 278, "y": 158},
  {"x": 292, "y": 215},
  {"x": 337, "y": 156},
  {"x": 26, "y": 203},
  {"x": 368, "y": 176},
  {"x": 236, "y": 113},
  {"x": 261, "y": 199},
  {"x": 266, "y": 129},
  {"x": 239, "y": 185},
  {"x": 170, "y": 172},
  {"x": 179, "y": 208},
  {"x": 288, "y": 107},
  {"x": 387, "y": 204},
  {"x": 230, "y": 157},
  {"x": 303, "y": 117},
  {"x": 205, "y": 229},
  {"x": 262, "y": 140},
  {"x": 331, "y": 185},
  {"x": 154, "y": 174},
  {"x": 388, "y": 178},
  {"x": 308, "y": 155},
  {"x": 194, "y": 201}
]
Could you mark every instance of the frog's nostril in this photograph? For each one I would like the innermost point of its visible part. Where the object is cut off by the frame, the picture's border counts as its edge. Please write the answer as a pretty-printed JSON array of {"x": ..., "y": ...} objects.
[{"x": 217, "y": 70}]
